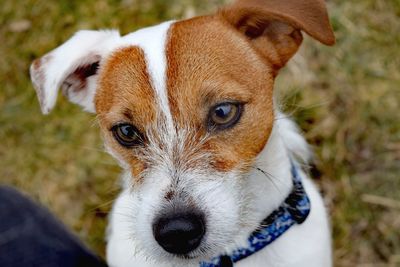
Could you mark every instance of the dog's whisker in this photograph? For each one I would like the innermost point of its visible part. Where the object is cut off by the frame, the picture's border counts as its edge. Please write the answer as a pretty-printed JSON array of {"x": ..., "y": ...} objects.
[{"x": 271, "y": 178}]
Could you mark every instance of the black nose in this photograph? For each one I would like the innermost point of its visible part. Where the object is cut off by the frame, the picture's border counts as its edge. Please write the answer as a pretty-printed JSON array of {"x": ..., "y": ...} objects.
[{"x": 179, "y": 233}]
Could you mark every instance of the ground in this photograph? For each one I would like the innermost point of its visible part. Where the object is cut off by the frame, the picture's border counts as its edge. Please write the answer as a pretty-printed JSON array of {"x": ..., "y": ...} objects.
[{"x": 346, "y": 99}]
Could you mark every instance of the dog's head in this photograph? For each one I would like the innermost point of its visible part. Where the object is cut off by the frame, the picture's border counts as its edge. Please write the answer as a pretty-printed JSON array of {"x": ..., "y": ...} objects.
[{"x": 186, "y": 107}]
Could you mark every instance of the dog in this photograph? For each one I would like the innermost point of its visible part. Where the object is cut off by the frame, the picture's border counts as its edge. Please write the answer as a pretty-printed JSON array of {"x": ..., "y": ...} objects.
[{"x": 212, "y": 168}]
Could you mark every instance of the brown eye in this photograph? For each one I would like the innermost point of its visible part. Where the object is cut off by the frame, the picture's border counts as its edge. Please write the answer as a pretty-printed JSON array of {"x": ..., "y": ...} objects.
[
  {"x": 225, "y": 115},
  {"x": 127, "y": 135}
]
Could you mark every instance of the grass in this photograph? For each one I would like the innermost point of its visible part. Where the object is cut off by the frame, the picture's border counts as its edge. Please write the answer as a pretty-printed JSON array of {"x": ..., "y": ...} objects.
[{"x": 345, "y": 98}]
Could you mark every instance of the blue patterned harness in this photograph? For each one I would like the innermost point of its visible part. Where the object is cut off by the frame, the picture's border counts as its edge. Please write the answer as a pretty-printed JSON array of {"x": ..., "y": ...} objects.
[{"x": 294, "y": 210}]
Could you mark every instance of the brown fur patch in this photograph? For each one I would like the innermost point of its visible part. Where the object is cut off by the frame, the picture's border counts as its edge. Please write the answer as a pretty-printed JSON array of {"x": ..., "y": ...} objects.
[
  {"x": 310, "y": 16},
  {"x": 125, "y": 95},
  {"x": 208, "y": 63},
  {"x": 274, "y": 26}
]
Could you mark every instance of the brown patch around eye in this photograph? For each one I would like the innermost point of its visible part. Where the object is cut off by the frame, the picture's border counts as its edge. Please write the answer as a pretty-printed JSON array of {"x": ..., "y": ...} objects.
[
  {"x": 223, "y": 164},
  {"x": 137, "y": 168},
  {"x": 128, "y": 114},
  {"x": 125, "y": 95},
  {"x": 210, "y": 63}
]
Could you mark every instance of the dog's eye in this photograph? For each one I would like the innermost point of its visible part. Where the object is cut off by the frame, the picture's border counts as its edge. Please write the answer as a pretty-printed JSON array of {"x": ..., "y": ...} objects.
[
  {"x": 127, "y": 135},
  {"x": 225, "y": 115}
]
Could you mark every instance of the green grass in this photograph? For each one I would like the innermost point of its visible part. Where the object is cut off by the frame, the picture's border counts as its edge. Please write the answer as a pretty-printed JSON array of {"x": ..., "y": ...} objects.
[{"x": 345, "y": 98}]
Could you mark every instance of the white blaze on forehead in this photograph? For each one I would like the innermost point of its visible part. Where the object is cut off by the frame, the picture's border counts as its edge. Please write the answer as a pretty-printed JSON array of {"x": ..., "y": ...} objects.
[{"x": 153, "y": 41}]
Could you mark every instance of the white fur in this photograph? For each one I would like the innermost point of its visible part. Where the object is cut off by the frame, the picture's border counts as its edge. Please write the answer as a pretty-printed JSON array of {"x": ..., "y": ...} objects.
[{"x": 85, "y": 47}]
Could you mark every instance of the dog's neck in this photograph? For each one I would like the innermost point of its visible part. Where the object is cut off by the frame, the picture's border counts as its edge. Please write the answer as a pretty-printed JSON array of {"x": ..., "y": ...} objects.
[{"x": 270, "y": 181}]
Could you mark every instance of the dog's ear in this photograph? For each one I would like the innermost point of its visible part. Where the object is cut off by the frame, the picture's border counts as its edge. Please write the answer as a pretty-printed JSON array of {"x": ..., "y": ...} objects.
[
  {"x": 274, "y": 26},
  {"x": 73, "y": 66}
]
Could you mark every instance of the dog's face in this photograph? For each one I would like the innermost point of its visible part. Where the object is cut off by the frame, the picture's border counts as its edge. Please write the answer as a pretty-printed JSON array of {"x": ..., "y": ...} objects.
[{"x": 186, "y": 107}]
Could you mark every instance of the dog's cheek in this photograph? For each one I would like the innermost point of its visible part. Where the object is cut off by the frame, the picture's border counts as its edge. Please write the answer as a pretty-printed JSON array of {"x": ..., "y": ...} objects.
[
  {"x": 137, "y": 169},
  {"x": 110, "y": 149},
  {"x": 125, "y": 157},
  {"x": 232, "y": 154}
]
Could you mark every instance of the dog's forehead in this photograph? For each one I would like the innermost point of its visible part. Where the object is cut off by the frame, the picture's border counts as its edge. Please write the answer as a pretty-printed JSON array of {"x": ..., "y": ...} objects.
[
  {"x": 152, "y": 42},
  {"x": 184, "y": 62},
  {"x": 209, "y": 62},
  {"x": 132, "y": 80}
]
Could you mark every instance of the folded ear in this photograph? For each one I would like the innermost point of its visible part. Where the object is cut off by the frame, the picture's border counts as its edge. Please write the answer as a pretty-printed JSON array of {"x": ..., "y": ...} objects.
[
  {"x": 274, "y": 26},
  {"x": 73, "y": 66}
]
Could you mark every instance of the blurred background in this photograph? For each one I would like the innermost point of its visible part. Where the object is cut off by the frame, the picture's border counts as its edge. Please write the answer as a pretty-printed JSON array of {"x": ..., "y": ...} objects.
[{"x": 346, "y": 99}]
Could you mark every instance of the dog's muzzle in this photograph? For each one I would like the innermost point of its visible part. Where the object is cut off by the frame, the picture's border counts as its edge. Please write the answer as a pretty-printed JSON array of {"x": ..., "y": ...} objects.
[{"x": 179, "y": 233}]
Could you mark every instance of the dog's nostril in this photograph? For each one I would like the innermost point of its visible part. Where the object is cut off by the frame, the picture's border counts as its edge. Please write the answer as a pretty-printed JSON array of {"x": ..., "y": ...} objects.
[{"x": 179, "y": 234}]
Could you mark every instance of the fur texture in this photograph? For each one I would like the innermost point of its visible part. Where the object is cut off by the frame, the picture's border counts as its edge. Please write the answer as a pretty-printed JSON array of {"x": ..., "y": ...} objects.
[{"x": 165, "y": 80}]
